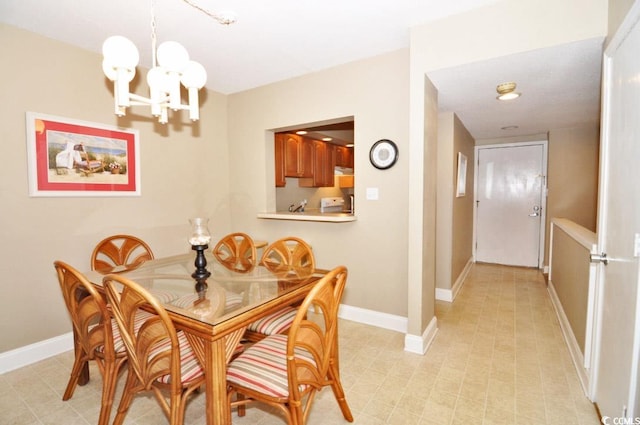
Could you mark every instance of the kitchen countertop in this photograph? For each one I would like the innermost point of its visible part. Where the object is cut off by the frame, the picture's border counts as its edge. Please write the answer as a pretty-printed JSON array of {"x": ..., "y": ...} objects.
[{"x": 339, "y": 217}]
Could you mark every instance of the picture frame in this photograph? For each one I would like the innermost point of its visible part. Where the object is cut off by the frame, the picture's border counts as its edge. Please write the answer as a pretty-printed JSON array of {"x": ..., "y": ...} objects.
[
  {"x": 461, "y": 182},
  {"x": 68, "y": 157}
]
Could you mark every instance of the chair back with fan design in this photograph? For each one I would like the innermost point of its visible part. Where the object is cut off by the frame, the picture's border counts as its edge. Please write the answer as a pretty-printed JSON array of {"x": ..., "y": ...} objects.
[
  {"x": 161, "y": 359},
  {"x": 287, "y": 371},
  {"x": 93, "y": 333},
  {"x": 236, "y": 251},
  {"x": 119, "y": 250}
]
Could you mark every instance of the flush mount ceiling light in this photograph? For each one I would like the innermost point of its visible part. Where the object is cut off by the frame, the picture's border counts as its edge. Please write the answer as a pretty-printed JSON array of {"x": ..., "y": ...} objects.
[
  {"x": 170, "y": 67},
  {"x": 506, "y": 91}
]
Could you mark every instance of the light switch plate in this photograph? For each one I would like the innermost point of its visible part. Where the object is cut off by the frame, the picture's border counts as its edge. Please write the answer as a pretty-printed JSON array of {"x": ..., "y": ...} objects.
[{"x": 372, "y": 193}]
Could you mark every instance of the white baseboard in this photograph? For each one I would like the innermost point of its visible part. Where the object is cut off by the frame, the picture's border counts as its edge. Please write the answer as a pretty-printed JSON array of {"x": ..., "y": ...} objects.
[
  {"x": 444, "y": 295},
  {"x": 570, "y": 339},
  {"x": 24, "y": 356},
  {"x": 449, "y": 295},
  {"x": 420, "y": 344},
  {"x": 32, "y": 353},
  {"x": 373, "y": 318}
]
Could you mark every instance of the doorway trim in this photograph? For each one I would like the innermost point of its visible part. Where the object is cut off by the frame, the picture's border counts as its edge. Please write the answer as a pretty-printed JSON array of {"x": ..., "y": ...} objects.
[
  {"x": 631, "y": 19},
  {"x": 543, "y": 218}
]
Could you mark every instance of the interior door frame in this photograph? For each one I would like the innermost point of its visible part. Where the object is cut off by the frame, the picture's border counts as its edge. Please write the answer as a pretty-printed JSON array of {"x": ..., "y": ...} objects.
[
  {"x": 543, "y": 201},
  {"x": 631, "y": 19}
]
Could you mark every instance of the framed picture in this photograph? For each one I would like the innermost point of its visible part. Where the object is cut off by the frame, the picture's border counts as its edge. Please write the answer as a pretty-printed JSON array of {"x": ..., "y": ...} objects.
[
  {"x": 77, "y": 158},
  {"x": 462, "y": 175}
]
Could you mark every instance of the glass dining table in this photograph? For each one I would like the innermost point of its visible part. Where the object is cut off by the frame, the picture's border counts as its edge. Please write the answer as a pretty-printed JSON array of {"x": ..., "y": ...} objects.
[{"x": 214, "y": 320}]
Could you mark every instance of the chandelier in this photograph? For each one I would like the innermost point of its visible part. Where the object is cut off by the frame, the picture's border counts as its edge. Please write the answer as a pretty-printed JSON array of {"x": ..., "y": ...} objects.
[{"x": 171, "y": 67}]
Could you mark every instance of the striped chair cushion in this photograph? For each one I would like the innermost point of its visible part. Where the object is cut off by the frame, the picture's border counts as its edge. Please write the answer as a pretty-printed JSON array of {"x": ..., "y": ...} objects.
[
  {"x": 275, "y": 323},
  {"x": 118, "y": 345},
  {"x": 185, "y": 301},
  {"x": 263, "y": 368},
  {"x": 163, "y": 296},
  {"x": 190, "y": 368},
  {"x": 232, "y": 301}
]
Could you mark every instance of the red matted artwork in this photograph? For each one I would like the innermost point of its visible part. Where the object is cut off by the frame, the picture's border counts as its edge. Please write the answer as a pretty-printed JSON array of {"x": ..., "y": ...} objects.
[{"x": 76, "y": 158}]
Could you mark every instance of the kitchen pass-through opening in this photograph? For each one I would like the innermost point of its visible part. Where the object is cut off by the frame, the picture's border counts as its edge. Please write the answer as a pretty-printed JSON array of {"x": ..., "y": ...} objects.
[{"x": 314, "y": 162}]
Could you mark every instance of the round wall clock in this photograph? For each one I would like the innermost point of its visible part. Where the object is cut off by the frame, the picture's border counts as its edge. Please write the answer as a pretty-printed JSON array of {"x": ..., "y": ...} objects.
[{"x": 383, "y": 154}]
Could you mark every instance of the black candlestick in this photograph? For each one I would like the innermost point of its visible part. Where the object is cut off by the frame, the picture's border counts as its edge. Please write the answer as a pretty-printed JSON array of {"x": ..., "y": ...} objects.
[{"x": 201, "y": 274}]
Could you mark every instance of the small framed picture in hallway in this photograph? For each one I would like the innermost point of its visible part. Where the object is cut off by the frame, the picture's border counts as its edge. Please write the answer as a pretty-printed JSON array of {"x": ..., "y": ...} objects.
[{"x": 462, "y": 175}]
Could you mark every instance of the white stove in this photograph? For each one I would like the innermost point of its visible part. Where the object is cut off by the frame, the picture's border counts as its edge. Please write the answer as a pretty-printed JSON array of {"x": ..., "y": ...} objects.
[{"x": 329, "y": 205}]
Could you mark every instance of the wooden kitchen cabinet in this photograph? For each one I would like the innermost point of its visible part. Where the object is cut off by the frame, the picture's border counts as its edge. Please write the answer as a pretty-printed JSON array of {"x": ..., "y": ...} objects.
[
  {"x": 298, "y": 156},
  {"x": 344, "y": 156},
  {"x": 324, "y": 162},
  {"x": 279, "y": 154}
]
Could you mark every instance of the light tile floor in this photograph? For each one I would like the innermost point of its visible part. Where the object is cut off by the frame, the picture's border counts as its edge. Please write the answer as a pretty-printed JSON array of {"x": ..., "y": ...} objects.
[{"x": 498, "y": 358}]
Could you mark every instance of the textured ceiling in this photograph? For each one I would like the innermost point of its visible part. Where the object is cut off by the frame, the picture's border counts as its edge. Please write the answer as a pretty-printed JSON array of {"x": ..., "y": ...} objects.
[
  {"x": 281, "y": 39},
  {"x": 560, "y": 88}
]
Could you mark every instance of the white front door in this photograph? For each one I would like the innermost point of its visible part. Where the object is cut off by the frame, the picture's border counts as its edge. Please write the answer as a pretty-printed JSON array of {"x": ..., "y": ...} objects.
[
  {"x": 510, "y": 204},
  {"x": 619, "y": 226}
]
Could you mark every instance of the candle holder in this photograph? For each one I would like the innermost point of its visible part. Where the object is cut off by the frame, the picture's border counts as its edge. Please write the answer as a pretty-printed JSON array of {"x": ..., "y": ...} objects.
[
  {"x": 201, "y": 274},
  {"x": 199, "y": 240}
]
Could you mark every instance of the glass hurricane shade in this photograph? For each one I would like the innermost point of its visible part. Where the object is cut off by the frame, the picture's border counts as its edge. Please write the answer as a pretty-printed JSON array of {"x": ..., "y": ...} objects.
[{"x": 199, "y": 231}]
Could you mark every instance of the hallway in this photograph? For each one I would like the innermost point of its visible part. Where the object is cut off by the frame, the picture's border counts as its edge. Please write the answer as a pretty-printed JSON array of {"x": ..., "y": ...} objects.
[
  {"x": 498, "y": 358},
  {"x": 503, "y": 332}
]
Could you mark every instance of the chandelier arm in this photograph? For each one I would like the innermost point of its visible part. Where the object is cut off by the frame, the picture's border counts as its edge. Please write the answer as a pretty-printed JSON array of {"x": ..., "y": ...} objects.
[{"x": 137, "y": 100}]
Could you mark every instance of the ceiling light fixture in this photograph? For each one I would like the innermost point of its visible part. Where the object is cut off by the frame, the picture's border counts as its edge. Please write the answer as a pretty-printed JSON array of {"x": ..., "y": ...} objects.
[
  {"x": 170, "y": 67},
  {"x": 506, "y": 91}
]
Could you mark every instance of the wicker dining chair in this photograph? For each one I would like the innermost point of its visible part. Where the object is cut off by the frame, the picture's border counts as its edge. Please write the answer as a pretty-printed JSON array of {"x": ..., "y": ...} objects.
[
  {"x": 119, "y": 250},
  {"x": 289, "y": 252},
  {"x": 286, "y": 371},
  {"x": 286, "y": 254},
  {"x": 93, "y": 333},
  {"x": 236, "y": 251},
  {"x": 160, "y": 359}
]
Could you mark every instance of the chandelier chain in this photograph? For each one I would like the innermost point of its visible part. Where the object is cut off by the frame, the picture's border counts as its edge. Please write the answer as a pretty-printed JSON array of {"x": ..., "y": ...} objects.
[
  {"x": 221, "y": 18},
  {"x": 154, "y": 39}
]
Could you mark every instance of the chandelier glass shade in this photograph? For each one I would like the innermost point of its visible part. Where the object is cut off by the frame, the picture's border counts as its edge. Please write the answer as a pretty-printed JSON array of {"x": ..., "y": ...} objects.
[{"x": 171, "y": 68}]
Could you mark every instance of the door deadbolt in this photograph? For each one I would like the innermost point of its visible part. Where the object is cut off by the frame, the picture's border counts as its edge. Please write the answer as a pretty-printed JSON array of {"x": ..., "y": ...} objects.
[{"x": 599, "y": 258}]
